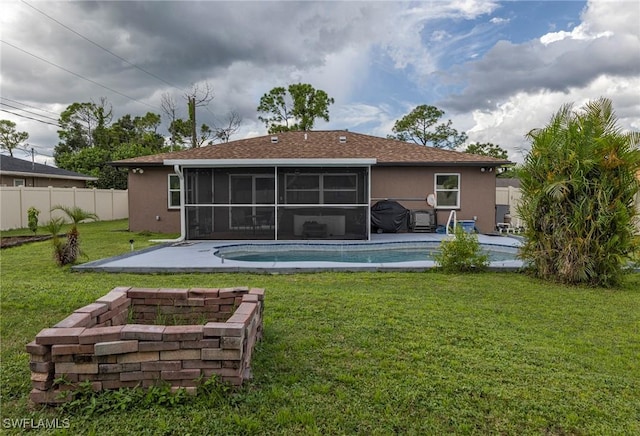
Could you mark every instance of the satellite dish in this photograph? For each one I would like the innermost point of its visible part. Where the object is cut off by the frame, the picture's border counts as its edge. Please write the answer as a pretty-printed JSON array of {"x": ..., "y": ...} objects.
[{"x": 431, "y": 200}]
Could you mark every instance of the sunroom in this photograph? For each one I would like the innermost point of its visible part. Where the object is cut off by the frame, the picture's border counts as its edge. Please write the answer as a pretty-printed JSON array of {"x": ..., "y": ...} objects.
[{"x": 287, "y": 199}]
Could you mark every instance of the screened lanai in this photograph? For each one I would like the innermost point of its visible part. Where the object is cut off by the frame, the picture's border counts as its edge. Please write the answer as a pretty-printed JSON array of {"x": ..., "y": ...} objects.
[{"x": 288, "y": 202}]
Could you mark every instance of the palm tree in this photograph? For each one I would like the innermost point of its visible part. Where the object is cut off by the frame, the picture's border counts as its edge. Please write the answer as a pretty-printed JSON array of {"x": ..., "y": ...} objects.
[
  {"x": 68, "y": 253},
  {"x": 578, "y": 185}
]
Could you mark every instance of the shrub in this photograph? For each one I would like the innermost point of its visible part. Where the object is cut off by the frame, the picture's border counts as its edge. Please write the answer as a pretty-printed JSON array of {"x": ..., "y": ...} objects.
[
  {"x": 462, "y": 253},
  {"x": 32, "y": 214},
  {"x": 578, "y": 186}
]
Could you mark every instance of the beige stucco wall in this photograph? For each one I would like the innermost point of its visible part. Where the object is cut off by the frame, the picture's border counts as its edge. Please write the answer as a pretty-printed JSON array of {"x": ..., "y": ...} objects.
[
  {"x": 148, "y": 199},
  {"x": 411, "y": 185}
]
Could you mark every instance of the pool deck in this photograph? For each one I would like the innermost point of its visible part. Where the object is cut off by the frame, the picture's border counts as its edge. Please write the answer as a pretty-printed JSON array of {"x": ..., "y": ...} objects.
[{"x": 198, "y": 257}]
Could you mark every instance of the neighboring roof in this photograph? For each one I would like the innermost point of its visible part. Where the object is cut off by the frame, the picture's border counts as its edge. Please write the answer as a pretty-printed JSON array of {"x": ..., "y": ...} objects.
[
  {"x": 320, "y": 145},
  {"x": 12, "y": 166}
]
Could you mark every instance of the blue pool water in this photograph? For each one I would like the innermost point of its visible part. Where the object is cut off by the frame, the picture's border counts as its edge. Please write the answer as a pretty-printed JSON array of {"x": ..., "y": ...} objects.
[{"x": 349, "y": 253}]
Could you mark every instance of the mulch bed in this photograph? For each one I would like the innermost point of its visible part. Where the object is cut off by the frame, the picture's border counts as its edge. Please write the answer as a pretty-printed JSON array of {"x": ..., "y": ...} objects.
[{"x": 14, "y": 241}]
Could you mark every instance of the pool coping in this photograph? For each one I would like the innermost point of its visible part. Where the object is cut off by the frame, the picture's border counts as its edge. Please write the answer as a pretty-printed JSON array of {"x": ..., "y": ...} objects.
[{"x": 198, "y": 257}]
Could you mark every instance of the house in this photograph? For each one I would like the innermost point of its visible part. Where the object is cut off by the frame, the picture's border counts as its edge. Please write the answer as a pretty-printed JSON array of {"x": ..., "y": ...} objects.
[
  {"x": 303, "y": 185},
  {"x": 19, "y": 172}
]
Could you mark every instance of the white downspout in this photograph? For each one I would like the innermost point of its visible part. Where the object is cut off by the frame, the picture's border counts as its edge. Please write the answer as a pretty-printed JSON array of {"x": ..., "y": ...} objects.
[{"x": 183, "y": 225}]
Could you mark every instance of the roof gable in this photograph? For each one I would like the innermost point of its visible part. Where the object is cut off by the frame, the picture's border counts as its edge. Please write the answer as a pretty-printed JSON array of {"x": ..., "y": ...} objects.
[{"x": 334, "y": 144}]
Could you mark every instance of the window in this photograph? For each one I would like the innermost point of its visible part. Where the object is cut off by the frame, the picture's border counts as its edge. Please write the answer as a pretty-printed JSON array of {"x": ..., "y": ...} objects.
[
  {"x": 448, "y": 191},
  {"x": 19, "y": 182},
  {"x": 322, "y": 188},
  {"x": 174, "y": 191}
]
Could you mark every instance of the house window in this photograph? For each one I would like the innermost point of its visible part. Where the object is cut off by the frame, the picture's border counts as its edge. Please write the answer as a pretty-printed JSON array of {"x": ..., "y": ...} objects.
[
  {"x": 448, "y": 191},
  {"x": 174, "y": 191},
  {"x": 19, "y": 182},
  {"x": 322, "y": 188}
]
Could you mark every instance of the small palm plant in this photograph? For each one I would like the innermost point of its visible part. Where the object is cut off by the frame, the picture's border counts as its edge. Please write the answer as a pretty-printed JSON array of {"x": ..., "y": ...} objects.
[{"x": 67, "y": 253}]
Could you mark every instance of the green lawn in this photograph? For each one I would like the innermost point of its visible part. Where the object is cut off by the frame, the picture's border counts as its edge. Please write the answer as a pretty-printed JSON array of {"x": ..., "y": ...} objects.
[{"x": 366, "y": 353}]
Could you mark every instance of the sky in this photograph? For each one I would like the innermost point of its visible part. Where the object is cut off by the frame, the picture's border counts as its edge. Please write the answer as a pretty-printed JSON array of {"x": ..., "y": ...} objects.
[{"x": 497, "y": 69}]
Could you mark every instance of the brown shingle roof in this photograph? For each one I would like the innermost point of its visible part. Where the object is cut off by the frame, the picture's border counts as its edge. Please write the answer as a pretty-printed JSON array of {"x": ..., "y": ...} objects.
[{"x": 322, "y": 145}]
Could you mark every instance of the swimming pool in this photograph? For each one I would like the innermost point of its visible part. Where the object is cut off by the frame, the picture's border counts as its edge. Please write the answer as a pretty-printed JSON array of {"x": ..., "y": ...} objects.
[{"x": 350, "y": 252}]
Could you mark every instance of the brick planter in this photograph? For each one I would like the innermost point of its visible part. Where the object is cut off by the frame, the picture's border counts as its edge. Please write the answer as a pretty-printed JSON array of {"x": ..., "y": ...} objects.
[{"x": 137, "y": 337}]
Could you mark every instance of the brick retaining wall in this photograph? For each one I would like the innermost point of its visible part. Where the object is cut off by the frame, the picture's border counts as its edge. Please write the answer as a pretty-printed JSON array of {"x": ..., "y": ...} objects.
[{"x": 123, "y": 340}]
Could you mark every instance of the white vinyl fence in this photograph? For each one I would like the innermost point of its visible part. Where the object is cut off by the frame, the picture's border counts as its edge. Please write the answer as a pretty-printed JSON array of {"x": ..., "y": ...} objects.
[
  {"x": 108, "y": 204},
  {"x": 510, "y": 196}
]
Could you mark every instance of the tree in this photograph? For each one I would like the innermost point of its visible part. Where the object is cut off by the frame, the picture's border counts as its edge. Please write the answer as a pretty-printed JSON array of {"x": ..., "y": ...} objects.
[
  {"x": 578, "y": 185},
  {"x": 229, "y": 127},
  {"x": 487, "y": 149},
  {"x": 67, "y": 253},
  {"x": 10, "y": 138},
  {"x": 294, "y": 108},
  {"x": 420, "y": 126},
  {"x": 89, "y": 141}
]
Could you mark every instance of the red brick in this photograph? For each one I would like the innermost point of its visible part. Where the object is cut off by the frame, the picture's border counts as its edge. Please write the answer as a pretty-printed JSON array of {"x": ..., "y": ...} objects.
[
  {"x": 172, "y": 294},
  {"x": 62, "y": 358},
  {"x": 202, "y": 343},
  {"x": 257, "y": 291},
  {"x": 37, "y": 349},
  {"x": 75, "y": 320},
  {"x": 183, "y": 333},
  {"x": 142, "y": 292},
  {"x": 41, "y": 366},
  {"x": 117, "y": 384},
  {"x": 219, "y": 301},
  {"x": 221, "y": 372},
  {"x": 139, "y": 375},
  {"x": 36, "y": 358},
  {"x": 183, "y": 374},
  {"x": 225, "y": 292},
  {"x": 48, "y": 397},
  {"x": 107, "y": 359},
  {"x": 231, "y": 342},
  {"x": 93, "y": 309},
  {"x": 164, "y": 365},
  {"x": 180, "y": 355},
  {"x": 59, "y": 336},
  {"x": 120, "y": 318},
  {"x": 114, "y": 298},
  {"x": 190, "y": 302},
  {"x": 100, "y": 334},
  {"x": 158, "y": 346},
  {"x": 76, "y": 368},
  {"x": 204, "y": 292},
  {"x": 115, "y": 347},
  {"x": 140, "y": 357},
  {"x": 41, "y": 376},
  {"x": 219, "y": 354},
  {"x": 242, "y": 318},
  {"x": 223, "y": 329},
  {"x": 116, "y": 368},
  {"x": 61, "y": 349},
  {"x": 142, "y": 332},
  {"x": 250, "y": 298},
  {"x": 201, "y": 364},
  {"x": 246, "y": 308}
]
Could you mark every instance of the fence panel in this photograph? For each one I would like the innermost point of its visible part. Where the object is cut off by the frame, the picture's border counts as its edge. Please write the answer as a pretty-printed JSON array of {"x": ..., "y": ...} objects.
[{"x": 108, "y": 204}]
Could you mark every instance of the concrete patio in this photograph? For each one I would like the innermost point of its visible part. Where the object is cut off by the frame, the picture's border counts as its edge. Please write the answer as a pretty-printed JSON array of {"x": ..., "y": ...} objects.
[{"x": 198, "y": 256}]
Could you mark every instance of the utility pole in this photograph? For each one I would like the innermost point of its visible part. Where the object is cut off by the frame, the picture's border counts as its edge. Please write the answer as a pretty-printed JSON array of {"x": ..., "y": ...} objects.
[{"x": 192, "y": 118}]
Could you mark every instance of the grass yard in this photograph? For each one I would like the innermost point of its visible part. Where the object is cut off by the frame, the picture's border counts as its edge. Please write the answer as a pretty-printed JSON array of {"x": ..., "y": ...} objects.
[{"x": 359, "y": 353}]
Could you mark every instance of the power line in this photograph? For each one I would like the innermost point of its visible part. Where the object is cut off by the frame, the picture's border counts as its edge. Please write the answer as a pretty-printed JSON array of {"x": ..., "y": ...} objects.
[
  {"x": 103, "y": 48},
  {"x": 80, "y": 76},
  {"x": 29, "y": 112},
  {"x": 32, "y": 107},
  {"x": 30, "y": 118}
]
